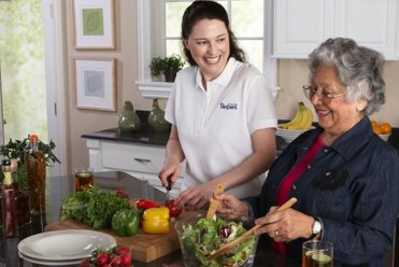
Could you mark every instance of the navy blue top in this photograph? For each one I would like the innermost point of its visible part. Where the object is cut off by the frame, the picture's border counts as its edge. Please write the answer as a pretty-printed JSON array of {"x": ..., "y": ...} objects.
[{"x": 352, "y": 186}]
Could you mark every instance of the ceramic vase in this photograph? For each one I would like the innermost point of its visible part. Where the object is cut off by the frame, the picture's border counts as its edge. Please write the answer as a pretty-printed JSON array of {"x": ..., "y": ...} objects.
[
  {"x": 156, "y": 118},
  {"x": 128, "y": 119}
]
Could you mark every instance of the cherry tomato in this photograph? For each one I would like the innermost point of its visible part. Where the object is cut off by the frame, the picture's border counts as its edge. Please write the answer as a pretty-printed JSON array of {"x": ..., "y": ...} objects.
[{"x": 174, "y": 209}]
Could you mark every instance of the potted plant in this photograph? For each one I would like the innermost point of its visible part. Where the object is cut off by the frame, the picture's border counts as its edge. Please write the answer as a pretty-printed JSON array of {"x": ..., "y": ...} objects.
[{"x": 168, "y": 66}]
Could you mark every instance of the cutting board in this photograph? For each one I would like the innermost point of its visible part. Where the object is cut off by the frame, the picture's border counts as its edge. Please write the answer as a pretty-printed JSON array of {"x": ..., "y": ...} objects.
[{"x": 144, "y": 247}]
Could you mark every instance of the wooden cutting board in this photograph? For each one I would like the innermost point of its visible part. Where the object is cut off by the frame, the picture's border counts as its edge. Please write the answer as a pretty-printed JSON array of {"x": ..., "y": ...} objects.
[{"x": 144, "y": 247}]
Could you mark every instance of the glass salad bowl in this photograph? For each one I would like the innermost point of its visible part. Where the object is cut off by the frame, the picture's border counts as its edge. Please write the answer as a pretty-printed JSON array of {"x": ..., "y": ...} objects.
[{"x": 199, "y": 236}]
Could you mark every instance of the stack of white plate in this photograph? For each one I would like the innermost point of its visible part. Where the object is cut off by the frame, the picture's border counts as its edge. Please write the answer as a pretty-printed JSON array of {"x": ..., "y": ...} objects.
[{"x": 64, "y": 247}]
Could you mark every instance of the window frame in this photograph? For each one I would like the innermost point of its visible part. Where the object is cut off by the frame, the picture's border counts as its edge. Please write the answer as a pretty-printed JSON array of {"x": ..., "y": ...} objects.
[{"x": 151, "y": 89}]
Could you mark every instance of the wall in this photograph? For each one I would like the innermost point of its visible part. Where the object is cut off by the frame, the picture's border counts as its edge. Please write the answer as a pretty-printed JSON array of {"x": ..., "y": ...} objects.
[
  {"x": 85, "y": 121},
  {"x": 292, "y": 74}
]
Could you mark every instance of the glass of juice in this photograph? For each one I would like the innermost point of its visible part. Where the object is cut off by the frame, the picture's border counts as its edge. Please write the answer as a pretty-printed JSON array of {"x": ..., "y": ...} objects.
[
  {"x": 316, "y": 253},
  {"x": 83, "y": 179}
]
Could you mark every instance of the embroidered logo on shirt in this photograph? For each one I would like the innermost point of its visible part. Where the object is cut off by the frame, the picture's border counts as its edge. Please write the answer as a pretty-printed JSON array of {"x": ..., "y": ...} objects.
[{"x": 229, "y": 106}]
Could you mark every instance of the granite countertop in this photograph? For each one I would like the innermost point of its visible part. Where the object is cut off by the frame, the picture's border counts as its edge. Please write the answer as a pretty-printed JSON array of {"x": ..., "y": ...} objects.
[
  {"x": 148, "y": 136},
  {"x": 145, "y": 135}
]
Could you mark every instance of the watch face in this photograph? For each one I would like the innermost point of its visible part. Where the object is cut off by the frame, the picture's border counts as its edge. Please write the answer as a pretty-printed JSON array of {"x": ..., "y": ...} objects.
[{"x": 316, "y": 227}]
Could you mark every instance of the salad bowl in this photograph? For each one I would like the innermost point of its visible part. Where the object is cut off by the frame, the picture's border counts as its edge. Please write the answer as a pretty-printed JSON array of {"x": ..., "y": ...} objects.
[{"x": 199, "y": 237}]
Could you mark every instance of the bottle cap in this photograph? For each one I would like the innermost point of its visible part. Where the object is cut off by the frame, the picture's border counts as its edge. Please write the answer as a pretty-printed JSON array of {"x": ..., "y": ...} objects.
[
  {"x": 5, "y": 162},
  {"x": 33, "y": 138}
]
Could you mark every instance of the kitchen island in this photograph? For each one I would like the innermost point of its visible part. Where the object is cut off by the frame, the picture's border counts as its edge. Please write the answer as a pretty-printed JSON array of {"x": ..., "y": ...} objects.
[{"x": 60, "y": 187}]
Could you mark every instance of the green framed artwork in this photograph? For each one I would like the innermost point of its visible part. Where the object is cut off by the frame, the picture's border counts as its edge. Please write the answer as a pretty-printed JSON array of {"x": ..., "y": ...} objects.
[{"x": 94, "y": 24}]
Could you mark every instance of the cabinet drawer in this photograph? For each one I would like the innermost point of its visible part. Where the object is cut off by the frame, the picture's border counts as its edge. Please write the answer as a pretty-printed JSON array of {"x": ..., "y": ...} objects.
[{"x": 132, "y": 157}]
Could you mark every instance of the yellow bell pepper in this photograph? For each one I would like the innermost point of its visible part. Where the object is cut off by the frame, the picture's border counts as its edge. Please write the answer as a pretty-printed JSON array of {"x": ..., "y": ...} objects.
[{"x": 156, "y": 221}]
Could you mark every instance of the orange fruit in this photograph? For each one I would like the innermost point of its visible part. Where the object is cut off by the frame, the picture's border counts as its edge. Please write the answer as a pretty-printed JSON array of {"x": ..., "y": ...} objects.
[{"x": 385, "y": 128}]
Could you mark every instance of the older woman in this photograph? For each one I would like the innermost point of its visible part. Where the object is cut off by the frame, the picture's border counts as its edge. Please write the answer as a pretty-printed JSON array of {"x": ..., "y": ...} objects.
[{"x": 345, "y": 177}]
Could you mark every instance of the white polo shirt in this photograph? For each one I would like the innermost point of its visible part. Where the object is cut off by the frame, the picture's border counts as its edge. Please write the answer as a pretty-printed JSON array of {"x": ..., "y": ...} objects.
[{"x": 215, "y": 125}]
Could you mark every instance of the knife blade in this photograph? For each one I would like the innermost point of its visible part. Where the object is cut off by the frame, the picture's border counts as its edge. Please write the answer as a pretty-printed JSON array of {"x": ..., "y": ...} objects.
[{"x": 168, "y": 187}]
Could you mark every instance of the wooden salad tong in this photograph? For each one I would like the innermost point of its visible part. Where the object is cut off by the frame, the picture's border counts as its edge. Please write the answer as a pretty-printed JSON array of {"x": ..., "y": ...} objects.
[{"x": 248, "y": 234}]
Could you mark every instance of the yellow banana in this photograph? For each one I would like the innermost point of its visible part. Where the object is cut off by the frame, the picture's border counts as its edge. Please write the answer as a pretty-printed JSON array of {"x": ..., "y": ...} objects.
[
  {"x": 297, "y": 118},
  {"x": 306, "y": 120}
]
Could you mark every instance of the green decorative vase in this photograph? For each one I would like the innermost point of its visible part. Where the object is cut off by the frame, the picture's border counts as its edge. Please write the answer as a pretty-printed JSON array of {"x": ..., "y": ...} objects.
[
  {"x": 156, "y": 118},
  {"x": 128, "y": 119}
]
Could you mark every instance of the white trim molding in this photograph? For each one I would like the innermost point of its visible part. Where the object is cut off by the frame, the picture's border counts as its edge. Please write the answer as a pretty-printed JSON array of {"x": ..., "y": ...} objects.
[
  {"x": 53, "y": 19},
  {"x": 151, "y": 89}
]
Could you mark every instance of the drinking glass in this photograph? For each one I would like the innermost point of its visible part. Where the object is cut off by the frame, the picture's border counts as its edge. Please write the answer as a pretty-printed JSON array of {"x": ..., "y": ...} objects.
[
  {"x": 83, "y": 179},
  {"x": 316, "y": 253}
]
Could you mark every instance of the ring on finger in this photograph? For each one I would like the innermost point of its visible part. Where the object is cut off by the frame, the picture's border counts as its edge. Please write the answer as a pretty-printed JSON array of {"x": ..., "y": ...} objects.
[{"x": 276, "y": 233}]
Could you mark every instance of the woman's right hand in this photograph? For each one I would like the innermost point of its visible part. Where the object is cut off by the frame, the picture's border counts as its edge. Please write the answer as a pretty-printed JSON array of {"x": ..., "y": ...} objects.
[
  {"x": 169, "y": 174},
  {"x": 231, "y": 207}
]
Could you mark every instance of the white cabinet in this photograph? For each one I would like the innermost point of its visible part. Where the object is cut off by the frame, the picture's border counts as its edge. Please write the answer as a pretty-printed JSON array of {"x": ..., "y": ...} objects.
[
  {"x": 300, "y": 26},
  {"x": 141, "y": 161}
]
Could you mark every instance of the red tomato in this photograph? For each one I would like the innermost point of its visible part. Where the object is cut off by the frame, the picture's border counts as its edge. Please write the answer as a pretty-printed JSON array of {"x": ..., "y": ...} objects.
[{"x": 174, "y": 210}]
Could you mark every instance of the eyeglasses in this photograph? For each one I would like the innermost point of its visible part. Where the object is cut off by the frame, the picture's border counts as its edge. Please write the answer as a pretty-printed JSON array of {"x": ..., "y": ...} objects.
[{"x": 310, "y": 91}]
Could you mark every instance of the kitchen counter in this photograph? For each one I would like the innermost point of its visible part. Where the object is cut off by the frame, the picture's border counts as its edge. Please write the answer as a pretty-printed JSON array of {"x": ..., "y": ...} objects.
[
  {"x": 145, "y": 135},
  {"x": 60, "y": 187}
]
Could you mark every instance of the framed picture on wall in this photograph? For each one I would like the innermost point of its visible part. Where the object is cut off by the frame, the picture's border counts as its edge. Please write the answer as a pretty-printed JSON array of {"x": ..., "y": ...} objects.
[
  {"x": 94, "y": 24},
  {"x": 95, "y": 84}
]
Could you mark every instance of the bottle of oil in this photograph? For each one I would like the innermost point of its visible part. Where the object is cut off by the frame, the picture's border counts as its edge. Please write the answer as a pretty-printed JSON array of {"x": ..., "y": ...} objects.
[
  {"x": 36, "y": 168},
  {"x": 14, "y": 204}
]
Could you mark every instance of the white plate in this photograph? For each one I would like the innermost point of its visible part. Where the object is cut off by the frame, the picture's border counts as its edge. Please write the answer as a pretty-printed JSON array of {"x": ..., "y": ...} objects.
[
  {"x": 64, "y": 245},
  {"x": 48, "y": 263}
]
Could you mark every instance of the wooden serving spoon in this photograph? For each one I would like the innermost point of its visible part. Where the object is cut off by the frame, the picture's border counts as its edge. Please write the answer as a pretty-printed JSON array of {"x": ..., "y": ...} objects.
[
  {"x": 248, "y": 234},
  {"x": 214, "y": 203}
]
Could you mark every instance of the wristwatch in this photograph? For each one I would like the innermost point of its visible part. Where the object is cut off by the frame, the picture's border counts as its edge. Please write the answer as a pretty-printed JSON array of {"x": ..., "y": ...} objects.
[{"x": 316, "y": 227}]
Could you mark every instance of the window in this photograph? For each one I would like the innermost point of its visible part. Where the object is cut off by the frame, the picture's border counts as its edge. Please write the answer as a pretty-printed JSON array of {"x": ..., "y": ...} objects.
[
  {"x": 158, "y": 27},
  {"x": 246, "y": 18}
]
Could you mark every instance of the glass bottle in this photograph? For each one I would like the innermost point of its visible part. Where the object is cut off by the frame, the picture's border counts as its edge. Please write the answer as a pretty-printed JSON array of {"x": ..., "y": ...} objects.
[
  {"x": 36, "y": 169},
  {"x": 14, "y": 204}
]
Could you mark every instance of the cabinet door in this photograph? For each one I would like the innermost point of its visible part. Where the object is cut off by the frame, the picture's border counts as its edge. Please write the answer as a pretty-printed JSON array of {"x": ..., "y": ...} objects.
[
  {"x": 369, "y": 22},
  {"x": 300, "y": 26}
]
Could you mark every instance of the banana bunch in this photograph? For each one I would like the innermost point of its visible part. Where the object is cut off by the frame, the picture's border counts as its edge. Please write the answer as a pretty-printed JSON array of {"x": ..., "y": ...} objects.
[{"x": 302, "y": 120}]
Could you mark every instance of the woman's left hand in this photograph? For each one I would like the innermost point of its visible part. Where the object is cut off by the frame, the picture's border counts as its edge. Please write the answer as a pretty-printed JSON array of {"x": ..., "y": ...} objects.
[
  {"x": 196, "y": 197},
  {"x": 285, "y": 225}
]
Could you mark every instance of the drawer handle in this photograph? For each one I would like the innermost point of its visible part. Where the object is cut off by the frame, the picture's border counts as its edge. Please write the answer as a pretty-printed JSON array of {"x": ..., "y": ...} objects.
[{"x": 144, "y": 161}]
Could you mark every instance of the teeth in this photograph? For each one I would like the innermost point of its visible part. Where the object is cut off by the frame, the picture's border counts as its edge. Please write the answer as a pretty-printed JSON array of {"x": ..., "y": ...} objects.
[{"x": 212, "y": 60}]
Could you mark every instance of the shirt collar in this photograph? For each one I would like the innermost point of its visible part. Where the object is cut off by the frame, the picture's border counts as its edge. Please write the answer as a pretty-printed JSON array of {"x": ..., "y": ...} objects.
[
  {"x": 223, "y": 79},
  {"x": 350, "y": 142}
]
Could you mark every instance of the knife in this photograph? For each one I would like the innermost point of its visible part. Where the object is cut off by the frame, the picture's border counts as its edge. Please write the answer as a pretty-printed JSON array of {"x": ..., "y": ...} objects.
[{"x": 168, "y": 186}]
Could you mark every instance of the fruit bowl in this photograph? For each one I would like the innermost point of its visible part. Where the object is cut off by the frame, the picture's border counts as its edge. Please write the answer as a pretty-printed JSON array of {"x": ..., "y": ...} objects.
[
  {"x": 193, "y": 252},
  {"x": 289, "y": 134}
]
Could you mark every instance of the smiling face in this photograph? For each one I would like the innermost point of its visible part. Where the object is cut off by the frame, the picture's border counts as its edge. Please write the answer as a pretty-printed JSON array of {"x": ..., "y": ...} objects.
[
  {"x": 336, "y": 115},
  {"x": 209, "y": 46}
]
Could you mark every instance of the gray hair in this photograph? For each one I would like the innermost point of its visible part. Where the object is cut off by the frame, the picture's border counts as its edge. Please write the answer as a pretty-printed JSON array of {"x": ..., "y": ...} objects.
[{"x": 359, "y": 69}]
